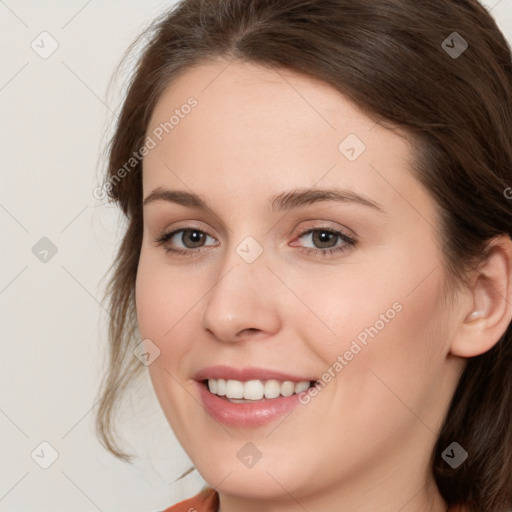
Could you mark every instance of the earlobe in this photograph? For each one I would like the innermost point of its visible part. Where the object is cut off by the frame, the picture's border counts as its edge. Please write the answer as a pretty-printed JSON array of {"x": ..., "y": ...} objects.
[{"x": 490, "y": 305}]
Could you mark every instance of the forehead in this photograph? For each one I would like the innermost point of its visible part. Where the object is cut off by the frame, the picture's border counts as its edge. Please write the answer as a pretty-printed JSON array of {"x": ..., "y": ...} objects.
[
  {"x": 240, "y": 97},
  {"x": 254, "y": 130}
]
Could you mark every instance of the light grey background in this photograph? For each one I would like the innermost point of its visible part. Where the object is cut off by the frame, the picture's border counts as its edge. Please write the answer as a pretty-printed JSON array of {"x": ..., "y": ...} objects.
[{"x": 55, "y": 118}]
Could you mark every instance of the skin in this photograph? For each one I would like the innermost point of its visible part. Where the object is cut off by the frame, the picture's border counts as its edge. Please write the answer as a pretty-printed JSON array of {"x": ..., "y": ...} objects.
[{"x": 364, "y": 442}]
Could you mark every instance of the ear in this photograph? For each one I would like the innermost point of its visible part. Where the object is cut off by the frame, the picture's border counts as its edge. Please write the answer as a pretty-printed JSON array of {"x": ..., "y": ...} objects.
[{"x": 487, "y": 305}]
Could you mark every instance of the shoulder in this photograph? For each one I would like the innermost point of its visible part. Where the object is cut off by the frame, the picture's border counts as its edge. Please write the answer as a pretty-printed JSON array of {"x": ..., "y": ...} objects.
[{"x": 206, "y": 501}]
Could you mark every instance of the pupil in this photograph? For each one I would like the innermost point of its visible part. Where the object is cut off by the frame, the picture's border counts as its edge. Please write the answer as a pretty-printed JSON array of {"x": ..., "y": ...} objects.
[
  {"x": 323, "y": 237},
  {"x": 195, "y": 236}
]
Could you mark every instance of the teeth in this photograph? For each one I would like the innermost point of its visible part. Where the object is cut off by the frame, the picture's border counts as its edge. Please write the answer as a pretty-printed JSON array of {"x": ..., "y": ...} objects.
[
  {"x": 221, "y": 387},
  {"x": 301, "y": 386},
  {"x": 213, "y": 385},
  {"x": 287, "y": 388},
  {"x": 255, "y": 389},
  {"x": 234, "y": 389},
  {"x": 272, "y": 389}
]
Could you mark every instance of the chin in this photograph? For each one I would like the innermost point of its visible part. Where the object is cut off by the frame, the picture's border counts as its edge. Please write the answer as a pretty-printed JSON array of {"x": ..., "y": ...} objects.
[{"x": 250, "y": 484}]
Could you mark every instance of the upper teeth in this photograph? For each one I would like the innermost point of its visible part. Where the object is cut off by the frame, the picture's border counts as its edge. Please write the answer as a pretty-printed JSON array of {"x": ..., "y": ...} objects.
[{"x": 255, "y": 389}]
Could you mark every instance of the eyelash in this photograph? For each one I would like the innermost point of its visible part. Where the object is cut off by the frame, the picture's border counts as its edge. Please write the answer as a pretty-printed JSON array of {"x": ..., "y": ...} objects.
[{"x": 162, "y": 239}]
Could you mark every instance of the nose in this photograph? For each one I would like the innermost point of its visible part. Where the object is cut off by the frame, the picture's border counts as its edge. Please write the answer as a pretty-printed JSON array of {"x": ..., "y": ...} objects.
[{"x": 242, "y": 303}]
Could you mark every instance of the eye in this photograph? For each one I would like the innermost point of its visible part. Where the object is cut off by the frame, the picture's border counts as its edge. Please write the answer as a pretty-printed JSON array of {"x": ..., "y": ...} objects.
[
  {"x": 191, "y": 238},
  {"x": 325, "y": 241}
]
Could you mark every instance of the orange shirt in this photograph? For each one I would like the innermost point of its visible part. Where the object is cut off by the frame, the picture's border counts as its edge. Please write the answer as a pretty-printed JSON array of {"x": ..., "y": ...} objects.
[{"x": 208, "y": 501}]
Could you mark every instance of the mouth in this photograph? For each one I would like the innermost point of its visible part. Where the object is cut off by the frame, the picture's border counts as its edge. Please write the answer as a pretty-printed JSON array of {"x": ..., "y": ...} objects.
[
  {"x": 250, "y": 397},
  {"x": 256, "y": 390}
]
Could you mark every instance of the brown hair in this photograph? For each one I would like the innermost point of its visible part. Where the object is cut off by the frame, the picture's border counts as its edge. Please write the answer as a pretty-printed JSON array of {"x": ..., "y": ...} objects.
[{"x": 393, "y": 59}]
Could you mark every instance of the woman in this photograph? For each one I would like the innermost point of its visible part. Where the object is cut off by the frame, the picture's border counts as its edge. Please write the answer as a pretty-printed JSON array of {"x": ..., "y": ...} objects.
[{"x": 318, "y": 255}]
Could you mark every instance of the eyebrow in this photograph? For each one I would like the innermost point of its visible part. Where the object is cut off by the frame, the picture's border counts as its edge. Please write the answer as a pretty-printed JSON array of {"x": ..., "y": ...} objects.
[{"x": 281, "y": 202}]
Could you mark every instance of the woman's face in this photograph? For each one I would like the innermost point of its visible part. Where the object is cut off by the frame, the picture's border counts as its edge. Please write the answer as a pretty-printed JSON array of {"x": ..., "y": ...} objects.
[{"x": 255, "y": 295}]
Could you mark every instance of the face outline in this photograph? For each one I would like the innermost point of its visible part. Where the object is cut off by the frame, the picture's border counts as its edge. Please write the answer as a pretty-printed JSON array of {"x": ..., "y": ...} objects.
[{"x": 256, "y": 133}]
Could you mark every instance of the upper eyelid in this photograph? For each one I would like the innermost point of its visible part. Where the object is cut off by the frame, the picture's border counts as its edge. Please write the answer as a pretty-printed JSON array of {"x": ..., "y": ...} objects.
[{"x": 311, "y": 224}]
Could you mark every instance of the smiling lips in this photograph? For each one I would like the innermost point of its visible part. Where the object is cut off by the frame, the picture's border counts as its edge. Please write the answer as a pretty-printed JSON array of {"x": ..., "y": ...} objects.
[{"x": 248, "y": 397}]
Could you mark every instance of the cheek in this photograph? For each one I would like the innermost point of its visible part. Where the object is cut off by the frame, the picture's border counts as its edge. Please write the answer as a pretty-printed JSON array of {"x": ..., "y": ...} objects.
[
  {"x": 150, "y": 298},
  {"x": 164, "y": 306},
  {"x": 384, "y": 330},
  {"x": 161, "y": 297},
  {"x": 165, "y": 310},
  {"x": 402, "y": 336}
]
